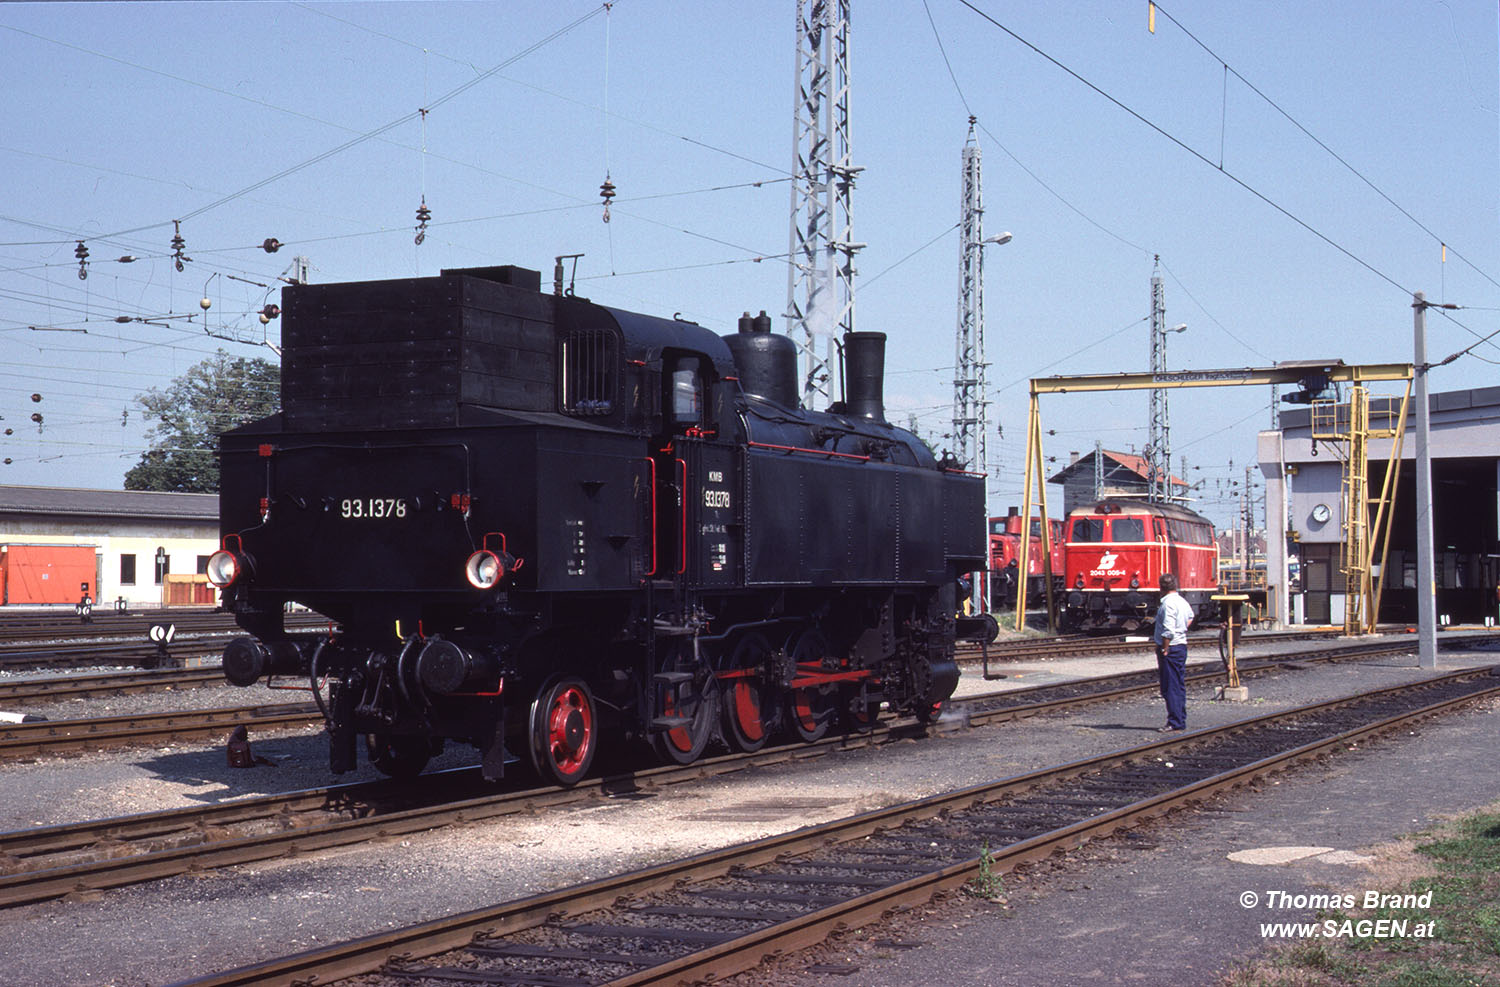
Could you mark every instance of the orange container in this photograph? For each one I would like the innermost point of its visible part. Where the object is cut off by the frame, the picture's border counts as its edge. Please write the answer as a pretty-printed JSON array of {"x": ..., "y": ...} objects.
[{"x": 32, "y": 574}]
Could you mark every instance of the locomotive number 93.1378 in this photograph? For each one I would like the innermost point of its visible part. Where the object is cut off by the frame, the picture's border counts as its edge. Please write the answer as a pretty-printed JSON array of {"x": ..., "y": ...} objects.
[{"x": 373, "y": 508}]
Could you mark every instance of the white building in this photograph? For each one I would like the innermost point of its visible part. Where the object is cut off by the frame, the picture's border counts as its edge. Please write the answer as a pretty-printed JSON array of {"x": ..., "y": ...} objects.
[{"x": 126, "y": 545}]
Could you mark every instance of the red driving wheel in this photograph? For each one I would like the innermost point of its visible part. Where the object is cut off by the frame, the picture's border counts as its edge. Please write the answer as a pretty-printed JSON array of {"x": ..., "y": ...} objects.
[{"x": 563, "y": 727}]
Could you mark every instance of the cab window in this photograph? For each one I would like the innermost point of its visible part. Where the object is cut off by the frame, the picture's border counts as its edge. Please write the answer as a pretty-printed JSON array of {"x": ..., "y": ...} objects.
[
  {"x": 589, "y": 367},
  {"x": 1088, "y": 529},
  {"x": 1127, "y": 529},
  {"x": 686, "y": 395}
]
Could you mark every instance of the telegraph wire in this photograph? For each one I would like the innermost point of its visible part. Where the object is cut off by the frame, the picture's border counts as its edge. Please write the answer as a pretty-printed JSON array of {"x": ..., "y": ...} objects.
[
  {"x": 1102, "y": 339},
  {"x": 963, "y": 98},
  {"x": 353, "y": 142},
  {"x": 1202, "y": 308},
  {"x": 608, "y": 113},
  {"x": 868, "y": 281}
]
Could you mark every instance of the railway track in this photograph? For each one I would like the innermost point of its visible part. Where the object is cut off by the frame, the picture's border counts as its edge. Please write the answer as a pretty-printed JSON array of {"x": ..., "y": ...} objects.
[
  {"x": 58, "y": 688},
  {"x": 107, "y": 623},
  {"x": 721, "y": 912},
  {"x": 50, "y": 862},
  {"x": 19, "y": 740},
  {"x": 122, "y": 641}
]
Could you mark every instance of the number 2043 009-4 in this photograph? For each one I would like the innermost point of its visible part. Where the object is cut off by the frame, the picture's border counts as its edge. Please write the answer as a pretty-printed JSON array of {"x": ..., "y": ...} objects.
[{"x": 374, "y": 508}]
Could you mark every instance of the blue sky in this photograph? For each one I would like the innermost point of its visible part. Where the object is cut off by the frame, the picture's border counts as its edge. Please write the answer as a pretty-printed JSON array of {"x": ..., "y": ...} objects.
[{"x": 123, "y": 117}]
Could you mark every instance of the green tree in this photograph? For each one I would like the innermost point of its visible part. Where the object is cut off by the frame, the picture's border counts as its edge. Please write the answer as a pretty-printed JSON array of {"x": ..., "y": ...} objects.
[{"x": 211, "y": 397}]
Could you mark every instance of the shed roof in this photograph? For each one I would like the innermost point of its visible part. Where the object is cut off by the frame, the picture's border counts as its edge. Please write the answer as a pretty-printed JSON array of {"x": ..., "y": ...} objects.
[
  {"x": 83, "y": 502},
  {"x": 1133, "y": 465}
]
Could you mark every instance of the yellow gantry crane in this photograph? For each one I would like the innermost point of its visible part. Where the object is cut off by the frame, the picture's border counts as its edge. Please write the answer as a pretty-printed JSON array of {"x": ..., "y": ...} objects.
[{"x": 1363, "y": 604}]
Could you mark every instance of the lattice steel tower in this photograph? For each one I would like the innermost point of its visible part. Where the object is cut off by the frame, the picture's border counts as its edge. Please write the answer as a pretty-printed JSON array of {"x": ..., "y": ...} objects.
[
  {"x": 969, "y": 365},
  {"x": 820, "y": 273},
  {"x": 1158, "y": 434}
]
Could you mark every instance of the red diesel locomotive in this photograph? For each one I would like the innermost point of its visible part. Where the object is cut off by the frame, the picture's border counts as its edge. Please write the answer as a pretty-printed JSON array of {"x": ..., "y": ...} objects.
[
  {"x": 1005, "y": 555},
  {"x": 1114, "y": 554}
]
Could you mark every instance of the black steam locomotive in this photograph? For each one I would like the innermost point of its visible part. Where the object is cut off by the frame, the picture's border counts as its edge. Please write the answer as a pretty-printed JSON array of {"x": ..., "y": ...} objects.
[{"x": 538, "y": 522}]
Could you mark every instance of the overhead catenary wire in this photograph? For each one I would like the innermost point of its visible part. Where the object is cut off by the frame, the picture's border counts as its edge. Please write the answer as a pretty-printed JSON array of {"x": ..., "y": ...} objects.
[
  {"x": 1229, "y": 69},
  {"x": 362, "y": 137},
  {"x": 1168, "y": 135}
]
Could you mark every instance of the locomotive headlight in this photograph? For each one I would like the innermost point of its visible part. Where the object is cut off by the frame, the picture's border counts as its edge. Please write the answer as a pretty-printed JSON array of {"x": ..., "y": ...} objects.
[
  {"x": 1135, "y": 581},
  {"x": 224, "y": 568},
  {"x": 484, "y": 569}
]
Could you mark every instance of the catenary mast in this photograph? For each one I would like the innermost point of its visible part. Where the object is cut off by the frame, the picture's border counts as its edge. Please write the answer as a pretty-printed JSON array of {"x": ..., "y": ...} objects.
[
  {"x": 969, "y": 364},
  {"x": 820, "y": 274},
  {"x": 1158, "y": 436}
]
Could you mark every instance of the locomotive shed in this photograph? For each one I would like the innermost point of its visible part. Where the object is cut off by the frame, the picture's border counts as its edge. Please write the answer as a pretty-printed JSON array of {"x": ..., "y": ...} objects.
[{"x": 233, "y": 917}]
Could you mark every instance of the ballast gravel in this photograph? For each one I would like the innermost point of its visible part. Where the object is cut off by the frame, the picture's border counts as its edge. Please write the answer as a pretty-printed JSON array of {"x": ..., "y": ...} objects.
[{"x": 165, "y": 931}]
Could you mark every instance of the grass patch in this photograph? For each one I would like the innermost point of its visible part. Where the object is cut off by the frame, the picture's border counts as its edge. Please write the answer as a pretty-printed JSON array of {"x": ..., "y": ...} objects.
[{"x": 1459, "y": 898}]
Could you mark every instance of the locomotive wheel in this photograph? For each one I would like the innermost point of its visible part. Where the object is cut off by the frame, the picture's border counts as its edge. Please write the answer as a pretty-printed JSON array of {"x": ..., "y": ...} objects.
[
  {"x": 747, "y": 725},
  {"x": 810, "y": 711},
  {"x": 694, "y": 699},
  {"x": 563, "y": 730},
  {"x": 397, "y": 755},
  {"x": 860, "y": 712}
]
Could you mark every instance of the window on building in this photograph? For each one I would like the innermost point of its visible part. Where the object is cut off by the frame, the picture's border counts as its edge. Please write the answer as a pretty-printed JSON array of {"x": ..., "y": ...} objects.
[
  {"x": 127, "y": 570},
  {"x": 203, "y": 565}
]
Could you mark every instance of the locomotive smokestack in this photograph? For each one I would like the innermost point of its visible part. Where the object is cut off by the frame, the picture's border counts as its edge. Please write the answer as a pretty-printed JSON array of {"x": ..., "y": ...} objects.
[{"x": 864, "y": 363}]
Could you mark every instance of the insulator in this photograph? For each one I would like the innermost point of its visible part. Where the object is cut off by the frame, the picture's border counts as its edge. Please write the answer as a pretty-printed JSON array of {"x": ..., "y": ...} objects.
[
  {"x": 36, "y": 416},
  {"x": 607, "y": 192},
  {"x": 178, "y": 245},
  {"x": 7, "y": 460},
  {"x": 128, "y": 259},
  {"x": 36, "y": 397},
  {"x": 122, "y": 319},
  {"x": 423, "y": 215},
  {"x": 10, "y": 431},
  {"x": 82, "y": 253},
  {"x": 271, "y": 245},
  {"x": 271, "y": 311}
]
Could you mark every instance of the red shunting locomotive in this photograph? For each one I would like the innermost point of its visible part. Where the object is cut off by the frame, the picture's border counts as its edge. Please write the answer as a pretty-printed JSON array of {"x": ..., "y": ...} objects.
[
  {"x": 1005, "y": 555},
  {"x": 1115, "y": 552}
]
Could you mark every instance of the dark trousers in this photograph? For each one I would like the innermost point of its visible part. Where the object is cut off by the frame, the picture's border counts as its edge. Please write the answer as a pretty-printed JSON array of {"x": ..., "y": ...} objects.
[{"x": 1171, "y": 666}]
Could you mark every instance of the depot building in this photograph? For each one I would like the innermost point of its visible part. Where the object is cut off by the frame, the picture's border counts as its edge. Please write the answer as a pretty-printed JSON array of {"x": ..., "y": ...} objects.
[
  {"x": 125, "y": 548},
  {"x": 1306, "y": 524}
]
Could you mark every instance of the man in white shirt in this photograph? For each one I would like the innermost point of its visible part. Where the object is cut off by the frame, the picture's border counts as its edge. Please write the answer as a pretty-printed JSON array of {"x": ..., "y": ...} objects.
[{"x": 1173, "y": 615}]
